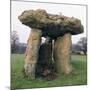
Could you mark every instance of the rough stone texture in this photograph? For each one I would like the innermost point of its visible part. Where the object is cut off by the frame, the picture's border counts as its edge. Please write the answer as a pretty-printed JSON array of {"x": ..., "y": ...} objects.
[
  {"x": 62, "y": 54},
  {"x": 51, "y": 25},
  {"x": 31, "y": 55},
  {"x": 44, "y": 64},
  {"x": 57, "y": 27}
]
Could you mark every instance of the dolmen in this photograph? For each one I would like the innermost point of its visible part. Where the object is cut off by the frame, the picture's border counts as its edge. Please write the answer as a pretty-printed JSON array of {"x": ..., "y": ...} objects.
[{"x": 56, "y": 51}]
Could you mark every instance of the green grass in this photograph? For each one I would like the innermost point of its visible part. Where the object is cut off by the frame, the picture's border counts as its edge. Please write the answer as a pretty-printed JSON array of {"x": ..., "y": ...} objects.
[{"x": 78, "y": 77}]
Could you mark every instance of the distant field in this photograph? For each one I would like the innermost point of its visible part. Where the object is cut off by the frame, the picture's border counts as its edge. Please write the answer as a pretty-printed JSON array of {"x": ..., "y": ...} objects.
[{"x": 79, "y": 76}]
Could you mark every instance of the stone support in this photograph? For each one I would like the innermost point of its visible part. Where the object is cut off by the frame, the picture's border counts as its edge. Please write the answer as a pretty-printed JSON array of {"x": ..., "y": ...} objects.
[
  {"x": 32, "y": 51},
  {"x": 62, "y": 54}
]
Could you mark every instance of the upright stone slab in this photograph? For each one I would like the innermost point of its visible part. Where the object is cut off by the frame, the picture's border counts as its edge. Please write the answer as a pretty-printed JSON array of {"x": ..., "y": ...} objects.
[
  {"x": 32, "y": 51},
  {"x": 45, "y": 57},
  {"x": 62, "y": 54}
]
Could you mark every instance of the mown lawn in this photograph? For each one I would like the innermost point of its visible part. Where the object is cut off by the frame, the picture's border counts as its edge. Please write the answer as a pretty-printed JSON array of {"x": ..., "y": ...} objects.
[{"x": 78, "y": 77}]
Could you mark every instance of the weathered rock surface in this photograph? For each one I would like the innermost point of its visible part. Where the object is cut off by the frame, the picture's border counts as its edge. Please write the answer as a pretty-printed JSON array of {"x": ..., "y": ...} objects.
[
  {"x": 62, "y": 54},
  {"x": 32, "y": 53},
  {"x": 55, "y": 27},
  {"x": 51, "y": 25},
  {"x": 45, "y": 64}
]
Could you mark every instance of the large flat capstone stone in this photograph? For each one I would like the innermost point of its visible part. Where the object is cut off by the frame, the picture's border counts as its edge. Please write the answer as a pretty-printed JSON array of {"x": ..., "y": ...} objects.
[{"x": 51, "y": 25}]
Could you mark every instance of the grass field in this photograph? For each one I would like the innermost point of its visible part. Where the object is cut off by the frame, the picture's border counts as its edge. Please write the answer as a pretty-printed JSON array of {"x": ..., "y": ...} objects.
[{"x": 79, "y": 77}]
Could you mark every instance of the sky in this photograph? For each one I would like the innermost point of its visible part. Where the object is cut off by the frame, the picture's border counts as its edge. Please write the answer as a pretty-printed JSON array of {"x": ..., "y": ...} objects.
[{"x": 17, "y": 7}]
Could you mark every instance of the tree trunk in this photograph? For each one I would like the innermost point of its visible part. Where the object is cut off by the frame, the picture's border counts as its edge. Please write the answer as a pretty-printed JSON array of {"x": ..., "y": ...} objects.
[
  {"x": 31, "y": 55},
  {"x": 62, "y": 54}
]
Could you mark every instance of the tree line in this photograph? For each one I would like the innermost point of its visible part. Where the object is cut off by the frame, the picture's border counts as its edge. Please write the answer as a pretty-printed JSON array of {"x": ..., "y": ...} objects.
[
  {"x": 80, "y": 47},
  {"x": 16, "y": 47}
]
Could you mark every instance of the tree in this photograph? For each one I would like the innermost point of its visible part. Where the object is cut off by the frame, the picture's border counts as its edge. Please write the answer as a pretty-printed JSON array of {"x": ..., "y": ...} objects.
[
  {"x": 75, "y": 48},
  {"x": 21, "y": 48},
  {"x": 83, "y": 44},
  {"x": 14, "y": 41}
]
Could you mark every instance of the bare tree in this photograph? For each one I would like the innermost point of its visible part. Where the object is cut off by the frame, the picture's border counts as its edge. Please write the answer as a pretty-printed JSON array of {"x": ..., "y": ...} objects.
[
  {"x": 83, "y": 44},
  {"x": 14, "y": 41}
]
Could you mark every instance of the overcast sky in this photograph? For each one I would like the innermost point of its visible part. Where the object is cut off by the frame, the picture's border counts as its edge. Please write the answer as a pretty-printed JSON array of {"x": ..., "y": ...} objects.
[{"x": 23, "y": 31}]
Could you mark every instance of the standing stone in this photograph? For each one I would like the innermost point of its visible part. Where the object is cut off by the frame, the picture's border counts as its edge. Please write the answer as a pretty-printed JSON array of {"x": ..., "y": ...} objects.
[
  {"x": 31, "y": 55},
  {"x": 44, "y": 63},
  {"x": 62, "y": 54}
]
